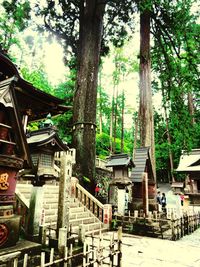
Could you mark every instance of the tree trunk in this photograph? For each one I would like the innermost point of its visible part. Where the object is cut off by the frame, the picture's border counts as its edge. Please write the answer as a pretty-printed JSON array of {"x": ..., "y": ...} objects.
[
  {"x": 191, "y": 107},
  {"x": 112, "y": 120},
  {"x": 100, "y": 104},
  {"x": 85, "y": 98},
  {"x": 115, "y": 121},
  {"x": 135, "y": 134},
  {"x": 146, "y": 110},
  {"x": 122, "y": 129},
  {"x": 171, "y": 162}
]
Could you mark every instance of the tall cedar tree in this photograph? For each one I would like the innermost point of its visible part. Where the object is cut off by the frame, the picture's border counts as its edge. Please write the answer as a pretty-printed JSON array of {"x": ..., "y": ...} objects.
[
  {"x": 146, "y": 109},
  {"x": 86, "y": 44},
  {"x": 84, "y": 112}
]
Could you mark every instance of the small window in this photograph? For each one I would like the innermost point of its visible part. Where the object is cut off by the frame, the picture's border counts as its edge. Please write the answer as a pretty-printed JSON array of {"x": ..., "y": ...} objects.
[
  {"x": 35, "y": 158},
  {"x": 46, "y": 160}
]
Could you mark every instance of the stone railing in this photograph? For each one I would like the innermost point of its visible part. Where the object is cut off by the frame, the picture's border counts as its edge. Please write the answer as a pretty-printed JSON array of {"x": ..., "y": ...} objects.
[
  {"x": 102, "y": 211},
  {"x": 22, "y": 208}
]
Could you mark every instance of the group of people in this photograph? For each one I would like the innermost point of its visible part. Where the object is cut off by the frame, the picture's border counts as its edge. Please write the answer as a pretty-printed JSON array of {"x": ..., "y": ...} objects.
[{"x": 162, "y": 201}]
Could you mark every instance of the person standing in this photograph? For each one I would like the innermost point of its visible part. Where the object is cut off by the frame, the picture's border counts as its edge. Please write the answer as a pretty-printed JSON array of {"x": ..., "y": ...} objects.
[
  {"x": 158, "y": 199},
  {"x": 97, "y": 189},
  {"x": 163, "y": 202},
  {"x": 182, "y": 198}
]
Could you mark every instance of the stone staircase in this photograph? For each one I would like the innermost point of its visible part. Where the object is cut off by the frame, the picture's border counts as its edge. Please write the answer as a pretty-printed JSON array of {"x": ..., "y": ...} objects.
[{"x": 78, "y": 213}]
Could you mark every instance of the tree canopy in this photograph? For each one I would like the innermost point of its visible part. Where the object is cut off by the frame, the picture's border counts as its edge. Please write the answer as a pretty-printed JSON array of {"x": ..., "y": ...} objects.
[{"x": 174, "y": 61}]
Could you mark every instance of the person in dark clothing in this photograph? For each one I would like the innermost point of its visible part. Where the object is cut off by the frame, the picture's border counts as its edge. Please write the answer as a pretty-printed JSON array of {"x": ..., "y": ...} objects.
[
  {"x": 163, "y": 202},
  {"x": 158, "y": 198}
]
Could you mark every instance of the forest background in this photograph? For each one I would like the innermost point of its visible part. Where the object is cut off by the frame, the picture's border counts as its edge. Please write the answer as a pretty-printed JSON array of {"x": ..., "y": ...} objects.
[{"x": 28, "y": 28}]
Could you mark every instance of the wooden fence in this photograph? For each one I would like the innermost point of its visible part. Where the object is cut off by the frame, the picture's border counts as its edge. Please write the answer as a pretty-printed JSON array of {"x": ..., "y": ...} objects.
[
  {"x": 185, "y": 225},
  {"x": 158, "y": 226},
  {"x": 96, "y": 251}
]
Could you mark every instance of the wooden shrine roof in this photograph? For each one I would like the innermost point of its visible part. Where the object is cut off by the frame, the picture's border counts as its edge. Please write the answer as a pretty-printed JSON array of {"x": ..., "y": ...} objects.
[
  {"x": 142, "y": 164},
  {"x": 120, "y": 160},
  {"x": 189, "y": 161},
  {"x": 44, "y": 137}
]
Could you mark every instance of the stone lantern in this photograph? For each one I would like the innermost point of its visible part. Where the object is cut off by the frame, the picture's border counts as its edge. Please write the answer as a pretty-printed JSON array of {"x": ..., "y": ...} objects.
[
  {"x": 43, "y": 144},
  {"x": 121, "y": 163}
]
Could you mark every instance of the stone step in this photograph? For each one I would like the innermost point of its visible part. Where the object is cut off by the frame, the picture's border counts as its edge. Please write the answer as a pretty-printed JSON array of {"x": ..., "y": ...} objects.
[
  {"x": 50, "y": 205},
  {"x": 75, "y": 216},
  {"x": 89, "y": 228},
  {"x": 97, "y": 231},
  {"x": 88, "y": 220},
  {"x": 77, "y": 209},
  {"x": 75, "y": 205},
  {"x": 77, "y": 212}
]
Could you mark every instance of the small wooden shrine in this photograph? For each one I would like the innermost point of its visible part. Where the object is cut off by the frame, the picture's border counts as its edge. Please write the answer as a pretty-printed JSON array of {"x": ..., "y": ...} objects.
[
  {"x": 143, "y": 167},
  {"x": 43, "y": 144},
  {"x": 189, "y": 164},
  {"x": 121, "y": 163},
  {"x": 20, "y": 102}
]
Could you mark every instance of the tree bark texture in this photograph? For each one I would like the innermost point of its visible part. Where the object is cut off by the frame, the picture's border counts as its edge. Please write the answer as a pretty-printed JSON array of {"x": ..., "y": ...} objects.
[
  {"x": 191, "y": 107},
  {"x": 100, "y": 104},
  {"x": 146, "y": 109},
  {"x": 122, "y": 129},
  {"x": 135, "y": 134},
  {"x": 84, "y": 110}
]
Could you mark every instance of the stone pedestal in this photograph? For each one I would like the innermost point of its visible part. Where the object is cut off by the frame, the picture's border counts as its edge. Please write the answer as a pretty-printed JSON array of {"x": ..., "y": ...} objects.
[
  {"x": 121, "y": 201},
  {"x": 113, "y": 194},
  {"x": 35, "y": 211}
]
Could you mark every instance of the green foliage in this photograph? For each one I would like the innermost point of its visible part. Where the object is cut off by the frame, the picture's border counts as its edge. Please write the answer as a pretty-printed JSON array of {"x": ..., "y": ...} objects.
[
  {"x": 19, "y": 12},
  {"x": 34, "y": 126},
  {"x": 64, "y": 126},
  {"x": 86, "y": 179},
  {"x": 103, "y": 145},
  {"x": 38, "y": 78},
  {"x": 175, "y": 61},
  {"x": 63, "y": 22},
  {"x": 14, "y": 18},
  {"x": 66, "y": 91}
]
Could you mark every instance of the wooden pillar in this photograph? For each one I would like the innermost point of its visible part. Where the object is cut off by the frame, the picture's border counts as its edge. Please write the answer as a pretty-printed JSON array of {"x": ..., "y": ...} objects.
[
  {"x": 64, "y": 198},
  {"x": 62, "y": 240},
  {"x": 119, "y": 256},
  {"x": 145, "y": 193},
  {"x": 36, "y": 206}
]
